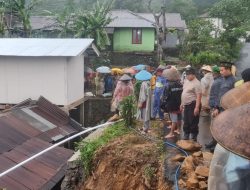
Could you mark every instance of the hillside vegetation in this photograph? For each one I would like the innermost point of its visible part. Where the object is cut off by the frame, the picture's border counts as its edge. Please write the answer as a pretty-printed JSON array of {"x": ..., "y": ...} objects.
[{"x": 137, "y": 6}]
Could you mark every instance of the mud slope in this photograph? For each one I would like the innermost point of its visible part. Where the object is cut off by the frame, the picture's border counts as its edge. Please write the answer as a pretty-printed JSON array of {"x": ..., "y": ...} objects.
[{"x": 127, "y": 163}]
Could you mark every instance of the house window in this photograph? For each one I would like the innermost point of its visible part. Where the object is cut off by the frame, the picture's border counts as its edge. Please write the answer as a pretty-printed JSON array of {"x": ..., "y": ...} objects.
[{"x": 136, "y": 36}]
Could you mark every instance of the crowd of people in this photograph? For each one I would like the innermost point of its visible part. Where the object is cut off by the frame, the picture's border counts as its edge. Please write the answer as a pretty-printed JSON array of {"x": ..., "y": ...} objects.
[{"x": 185, "y": 98}]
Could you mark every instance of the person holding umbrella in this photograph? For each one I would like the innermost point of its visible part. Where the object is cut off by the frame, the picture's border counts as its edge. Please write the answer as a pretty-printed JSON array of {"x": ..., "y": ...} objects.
[
  {"x": 144, "y": 100},
  {"x": 99, "y": 79}
]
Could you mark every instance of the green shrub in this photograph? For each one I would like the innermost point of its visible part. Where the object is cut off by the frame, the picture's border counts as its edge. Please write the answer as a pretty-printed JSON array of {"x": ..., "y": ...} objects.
[{"x": 128, "y": 110}]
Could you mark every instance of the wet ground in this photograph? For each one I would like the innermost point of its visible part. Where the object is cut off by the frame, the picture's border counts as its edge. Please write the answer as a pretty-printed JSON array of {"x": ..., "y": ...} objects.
[
  {"x": 204, "y": 131},
  {"x": 204, "y": 135}
]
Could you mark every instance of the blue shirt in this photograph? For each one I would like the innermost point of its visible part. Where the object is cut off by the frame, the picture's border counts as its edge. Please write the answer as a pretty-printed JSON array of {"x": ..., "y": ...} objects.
[
  {"x": 214, "y": 100},
  {"x": 159, "y": 85},
  {"x": 226, "y": 85}
]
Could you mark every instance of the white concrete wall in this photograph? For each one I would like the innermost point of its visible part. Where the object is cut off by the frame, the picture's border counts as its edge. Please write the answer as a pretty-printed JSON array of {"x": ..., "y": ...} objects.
[
  {"x": 30, "y": 77},
  {"x": 75, "y": 78}
]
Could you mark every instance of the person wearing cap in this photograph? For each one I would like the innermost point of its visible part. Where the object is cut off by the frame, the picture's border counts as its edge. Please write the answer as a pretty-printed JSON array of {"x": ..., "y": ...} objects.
[
  {"x": 183, "y": 75},
  {"x": 230, "y": 165},
  {"x": 160, "y": 83},
  {"x": 227, "y": 84},
  {"x": 214, "y": 101},
  {"x": 191, "y": 102},
  {"x": 123, "y": 88},
  {"x": 206, "y": 83}
]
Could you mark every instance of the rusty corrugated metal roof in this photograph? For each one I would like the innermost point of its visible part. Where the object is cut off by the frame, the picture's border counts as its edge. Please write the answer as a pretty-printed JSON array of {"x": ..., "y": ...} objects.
[
  {"x": 42, "y": 119},
  {"x": 27, "y": 130},
  {"x": 40, "y": 173}
]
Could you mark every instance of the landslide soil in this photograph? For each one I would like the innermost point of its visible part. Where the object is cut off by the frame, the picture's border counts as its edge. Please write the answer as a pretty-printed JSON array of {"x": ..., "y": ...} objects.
[{"x": 127, "y": 163}]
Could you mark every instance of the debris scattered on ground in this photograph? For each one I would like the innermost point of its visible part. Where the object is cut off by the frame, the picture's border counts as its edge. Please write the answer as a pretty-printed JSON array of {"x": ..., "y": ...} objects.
[{"x": 195, "y": 167}]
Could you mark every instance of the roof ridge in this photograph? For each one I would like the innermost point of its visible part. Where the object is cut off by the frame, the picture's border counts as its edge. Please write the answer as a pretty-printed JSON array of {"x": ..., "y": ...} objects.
[{"x": 139, "y": 16}]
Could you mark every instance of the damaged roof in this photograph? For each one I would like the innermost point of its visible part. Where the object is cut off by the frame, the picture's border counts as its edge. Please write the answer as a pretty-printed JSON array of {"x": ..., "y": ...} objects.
[
  {"x": 27, "y": 129},
  {"x": 43, "y": 172}
]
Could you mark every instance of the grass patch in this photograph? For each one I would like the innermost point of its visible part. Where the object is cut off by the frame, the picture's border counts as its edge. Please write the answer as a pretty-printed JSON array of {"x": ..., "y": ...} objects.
[{"x": 88, "y": 148}]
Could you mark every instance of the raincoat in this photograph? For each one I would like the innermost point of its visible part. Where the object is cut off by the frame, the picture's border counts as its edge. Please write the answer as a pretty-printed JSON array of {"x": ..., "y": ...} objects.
[
  {"x": 122, "y": 90},
  {"x": 206, "y": 83},
  {"x": 145, "y": 101}
]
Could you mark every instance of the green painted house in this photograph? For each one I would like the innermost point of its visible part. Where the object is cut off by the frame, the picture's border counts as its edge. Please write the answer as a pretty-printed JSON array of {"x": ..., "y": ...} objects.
[{"x": 130, "y": 32}]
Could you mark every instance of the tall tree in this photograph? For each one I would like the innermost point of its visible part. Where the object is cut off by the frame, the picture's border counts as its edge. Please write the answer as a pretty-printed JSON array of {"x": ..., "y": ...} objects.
[
  {"x": 22, "y": 10},
  {"x": 92, "y": 23},
  {"x": 235, "y": 18},
  {"x": 199, "y": 46}
]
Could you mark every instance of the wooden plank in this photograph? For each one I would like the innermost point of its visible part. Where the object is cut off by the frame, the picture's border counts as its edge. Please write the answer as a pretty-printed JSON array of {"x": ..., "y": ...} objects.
[{"x": 76, "y": 103}]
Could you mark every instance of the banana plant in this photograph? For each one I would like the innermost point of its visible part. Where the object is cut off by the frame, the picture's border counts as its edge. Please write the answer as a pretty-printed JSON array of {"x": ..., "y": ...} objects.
[
  {"x": 92, "y": 23},
  {"x": 22, "y": 10}
]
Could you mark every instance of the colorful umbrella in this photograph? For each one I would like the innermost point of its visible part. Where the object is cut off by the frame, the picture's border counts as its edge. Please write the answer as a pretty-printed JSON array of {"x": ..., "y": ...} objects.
[
  {"x": 139, "y": 67},
  {"x": 103, "y": 69},
  {"x": 129, "y": 70},
  {"x": 117, "y": 71},
  {"x": 143, "y": 75}
]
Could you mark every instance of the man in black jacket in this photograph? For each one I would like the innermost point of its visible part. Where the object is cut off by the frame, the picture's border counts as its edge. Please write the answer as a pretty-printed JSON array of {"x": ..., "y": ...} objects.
[{"x": 171, "y": 100}]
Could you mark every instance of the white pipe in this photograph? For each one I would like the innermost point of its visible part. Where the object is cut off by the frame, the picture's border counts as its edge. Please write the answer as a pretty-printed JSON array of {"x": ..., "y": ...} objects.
[{"x": 53, "y": 146}]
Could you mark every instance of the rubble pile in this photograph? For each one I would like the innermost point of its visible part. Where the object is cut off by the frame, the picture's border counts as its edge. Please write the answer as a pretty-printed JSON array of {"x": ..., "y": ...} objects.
[{"x": 195, "y": 167}]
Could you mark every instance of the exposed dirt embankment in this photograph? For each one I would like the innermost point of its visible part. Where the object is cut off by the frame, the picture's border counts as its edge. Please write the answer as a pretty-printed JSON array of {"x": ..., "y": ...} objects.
[{"x": 130, "y": 162}]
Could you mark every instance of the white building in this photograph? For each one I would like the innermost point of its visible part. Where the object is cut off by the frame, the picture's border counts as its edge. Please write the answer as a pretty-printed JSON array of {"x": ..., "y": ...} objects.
[{"x": 53, "y": 68}]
